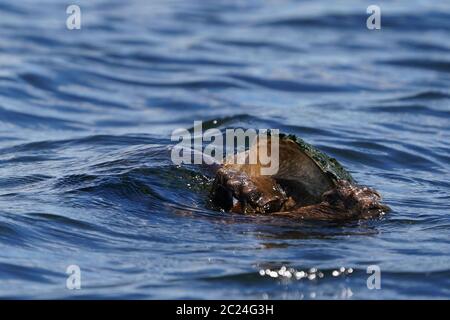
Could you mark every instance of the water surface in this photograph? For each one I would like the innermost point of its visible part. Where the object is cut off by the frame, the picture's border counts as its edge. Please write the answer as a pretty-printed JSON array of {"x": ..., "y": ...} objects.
[{"x": 85, "y": 123}]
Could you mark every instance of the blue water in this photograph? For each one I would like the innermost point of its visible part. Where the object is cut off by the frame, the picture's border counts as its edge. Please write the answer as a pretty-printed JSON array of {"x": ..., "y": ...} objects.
[{"x": 85, "y": 123}]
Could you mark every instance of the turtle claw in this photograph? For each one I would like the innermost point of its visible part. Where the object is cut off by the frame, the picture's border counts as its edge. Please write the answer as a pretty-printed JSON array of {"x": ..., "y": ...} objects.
[{"x": 235, "y": 191}]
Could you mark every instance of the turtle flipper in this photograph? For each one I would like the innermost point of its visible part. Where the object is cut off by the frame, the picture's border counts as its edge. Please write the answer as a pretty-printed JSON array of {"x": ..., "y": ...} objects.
[
  {"x": 346, "y": 201},
  {"x": 236, "y": 191}
]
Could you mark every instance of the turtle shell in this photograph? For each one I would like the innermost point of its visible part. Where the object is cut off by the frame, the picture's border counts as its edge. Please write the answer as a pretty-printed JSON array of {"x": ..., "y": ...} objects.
[
  {"x": 330, "y": 166},
  {"x": 304, "y": 172}
]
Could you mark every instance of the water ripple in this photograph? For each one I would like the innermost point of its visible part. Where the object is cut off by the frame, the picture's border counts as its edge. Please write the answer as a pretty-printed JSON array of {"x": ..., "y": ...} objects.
[{"x": 86, "y": 116}]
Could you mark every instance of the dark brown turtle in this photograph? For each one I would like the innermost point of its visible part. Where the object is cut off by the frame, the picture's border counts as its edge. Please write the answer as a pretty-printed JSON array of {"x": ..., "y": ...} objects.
[{"x": 308, "y": 185}]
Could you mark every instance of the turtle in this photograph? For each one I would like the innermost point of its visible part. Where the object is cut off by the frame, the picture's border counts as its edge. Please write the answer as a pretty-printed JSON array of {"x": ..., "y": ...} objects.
[{"x": 308, "y": 185}]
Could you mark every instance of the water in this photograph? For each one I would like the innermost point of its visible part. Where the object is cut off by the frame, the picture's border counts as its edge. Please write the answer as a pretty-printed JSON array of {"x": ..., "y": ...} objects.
[{"x": 85, "y": 123}]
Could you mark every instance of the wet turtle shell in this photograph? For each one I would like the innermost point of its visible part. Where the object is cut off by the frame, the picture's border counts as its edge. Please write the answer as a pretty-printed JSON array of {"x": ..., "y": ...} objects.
[
  {"x": 304, "y": 172},
  {"x": 329, "y": 166},
  {"x": 307, "y": 184}
]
